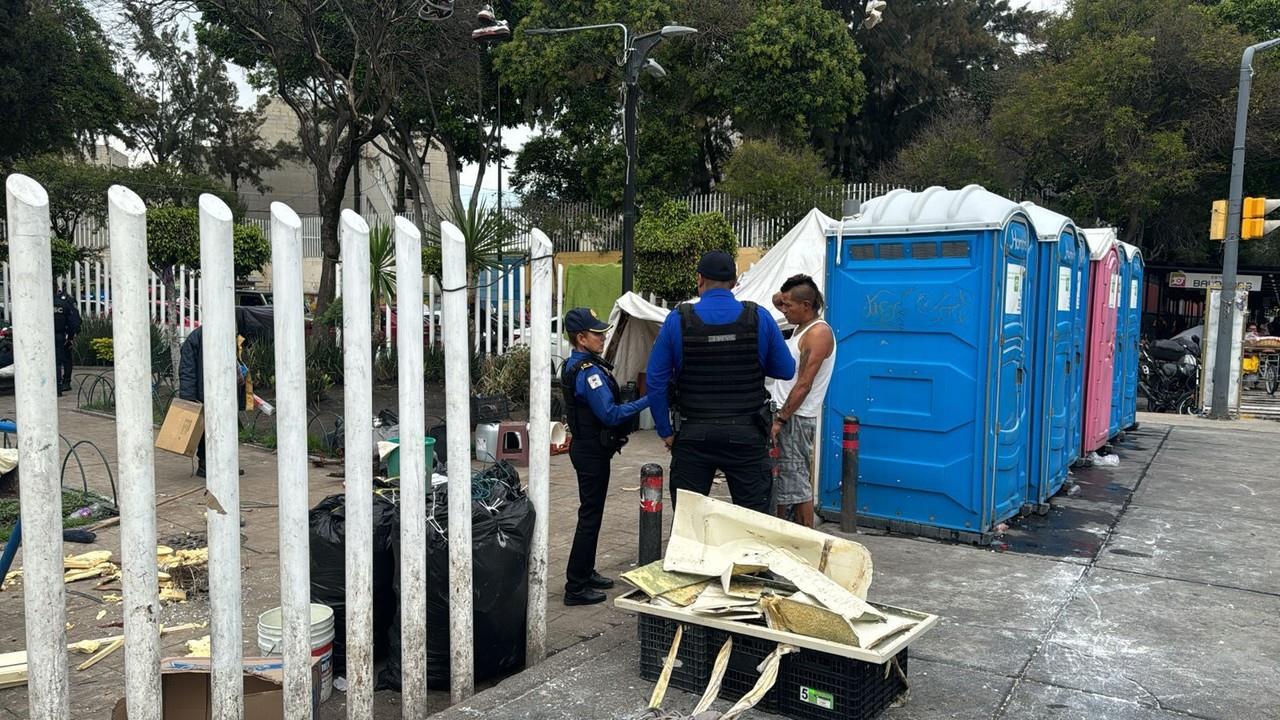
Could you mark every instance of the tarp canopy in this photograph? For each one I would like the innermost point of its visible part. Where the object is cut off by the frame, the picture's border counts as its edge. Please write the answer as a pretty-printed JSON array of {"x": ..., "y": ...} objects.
[{"x": 636, "y": 321}]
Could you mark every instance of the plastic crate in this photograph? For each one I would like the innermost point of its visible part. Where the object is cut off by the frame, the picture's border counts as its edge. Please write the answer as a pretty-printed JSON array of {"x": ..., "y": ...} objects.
[
  {"x": 693, "y": 660},
  {"x": 741, "y": 673},
  {"x": 819, "y": 686}
]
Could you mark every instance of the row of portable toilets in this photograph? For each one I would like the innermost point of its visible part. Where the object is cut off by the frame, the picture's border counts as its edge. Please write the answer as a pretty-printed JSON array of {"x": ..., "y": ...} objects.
[{"x": 984, "y": 345}]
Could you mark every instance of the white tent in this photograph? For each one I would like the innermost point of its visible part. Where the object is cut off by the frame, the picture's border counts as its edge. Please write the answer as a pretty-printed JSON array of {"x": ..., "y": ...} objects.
[{"x": 636, "y": 321}]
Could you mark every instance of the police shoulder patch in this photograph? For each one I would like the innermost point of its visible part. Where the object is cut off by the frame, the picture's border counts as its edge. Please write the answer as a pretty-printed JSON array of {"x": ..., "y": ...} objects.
[{"x": 594, "y": 381}]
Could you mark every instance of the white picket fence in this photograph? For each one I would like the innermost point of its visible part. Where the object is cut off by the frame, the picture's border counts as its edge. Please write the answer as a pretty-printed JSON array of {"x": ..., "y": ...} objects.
[
  {"x": 126, "y": 297},
  {"x": 499, "y": 303}
]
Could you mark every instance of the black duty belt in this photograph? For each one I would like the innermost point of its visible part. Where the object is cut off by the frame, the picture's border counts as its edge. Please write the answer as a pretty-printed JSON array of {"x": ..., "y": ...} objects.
[{"x": 750, "y": 420}]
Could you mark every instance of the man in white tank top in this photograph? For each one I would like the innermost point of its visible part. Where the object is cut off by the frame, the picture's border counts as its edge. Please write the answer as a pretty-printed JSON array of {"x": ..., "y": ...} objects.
[{"x": 800, "y": 398}]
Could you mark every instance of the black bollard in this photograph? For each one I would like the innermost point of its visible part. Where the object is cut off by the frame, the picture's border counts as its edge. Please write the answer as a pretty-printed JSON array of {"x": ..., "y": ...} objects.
[
  {"x": 650, "y": 513},
  {"x": 849, "y": 476}
]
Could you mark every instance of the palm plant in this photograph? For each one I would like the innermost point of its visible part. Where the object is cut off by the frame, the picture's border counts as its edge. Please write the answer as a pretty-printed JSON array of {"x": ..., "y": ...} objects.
[{"x": 486, "y": 232}]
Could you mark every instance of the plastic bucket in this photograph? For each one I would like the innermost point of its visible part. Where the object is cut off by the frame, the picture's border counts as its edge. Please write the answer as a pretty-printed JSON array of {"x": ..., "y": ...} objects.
[
  {"x": 271, "y": 639},
  {"x": 393, "y": 458}
]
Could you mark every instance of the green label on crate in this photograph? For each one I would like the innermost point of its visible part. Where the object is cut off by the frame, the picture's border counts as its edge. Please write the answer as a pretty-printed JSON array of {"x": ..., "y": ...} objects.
[{"x": 818, "y": 697}]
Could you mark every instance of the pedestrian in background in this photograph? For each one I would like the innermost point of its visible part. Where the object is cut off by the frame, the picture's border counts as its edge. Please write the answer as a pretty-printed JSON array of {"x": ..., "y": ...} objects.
[
  {"x": 799, "y": 400},
  {"x": 66, "y": 325},
  {"x": 600, "y": 423},
  {"x": 191, "y": 379},
  {"x": 715, "y": 355}
]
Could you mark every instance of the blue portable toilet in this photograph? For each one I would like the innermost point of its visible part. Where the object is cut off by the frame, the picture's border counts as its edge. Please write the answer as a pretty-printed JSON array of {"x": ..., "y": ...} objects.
[
  {"x": 1133, "y": 332},
  {"x": 1059, "y": 376},
  {"x": 1081, "y": 304},
  {"x": 1120, "y": 368},
  {"x": 930, "y": 303}
]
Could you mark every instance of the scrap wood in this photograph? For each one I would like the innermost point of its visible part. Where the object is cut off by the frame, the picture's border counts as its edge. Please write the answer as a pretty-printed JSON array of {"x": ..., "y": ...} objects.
[
  {"x": 200, "y": 647},
  {"x": 114, "y": 646},
  {"x": 13, "y": 669},
  {"x": 664, "y": 677},
  {"x": 89, "y": 647},
  {"x": 84, "y": 561}
]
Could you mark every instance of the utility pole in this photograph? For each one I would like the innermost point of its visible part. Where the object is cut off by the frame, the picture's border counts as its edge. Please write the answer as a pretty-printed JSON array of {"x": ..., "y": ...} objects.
[{"x": 1231, "y": 246}]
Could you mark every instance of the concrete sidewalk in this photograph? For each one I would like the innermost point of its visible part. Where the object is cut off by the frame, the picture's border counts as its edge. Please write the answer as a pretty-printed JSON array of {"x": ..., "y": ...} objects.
[{"x": 1153, "y": 594}]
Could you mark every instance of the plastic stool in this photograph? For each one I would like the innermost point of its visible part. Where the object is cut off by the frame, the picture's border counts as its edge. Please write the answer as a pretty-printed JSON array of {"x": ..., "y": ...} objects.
[{"x": 513, "y": 443}]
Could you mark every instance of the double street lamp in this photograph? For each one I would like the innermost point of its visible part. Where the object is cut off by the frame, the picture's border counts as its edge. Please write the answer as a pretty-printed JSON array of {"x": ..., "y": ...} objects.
[{"x": 634, "y": 62}]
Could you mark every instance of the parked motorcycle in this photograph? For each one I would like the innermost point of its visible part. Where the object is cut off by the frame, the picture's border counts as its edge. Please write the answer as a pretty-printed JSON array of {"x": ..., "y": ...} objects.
[{"x": 1169, "y": 375}]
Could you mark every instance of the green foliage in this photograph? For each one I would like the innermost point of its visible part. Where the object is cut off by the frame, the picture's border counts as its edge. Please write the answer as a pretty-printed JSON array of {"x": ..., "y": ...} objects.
[
  {"x": 669, "y": 243},
  {"x": 250, "y": 249},
  {"x": 260, "y": 357},
  {"x": 954, "y": 150},
  {"x": 506, "y": 375},
  {"x": 92, "y": 330},
  {"x": 750, "y": 60},
  {"x": 103, "y": 348},
  {"x": 64, "y": 255},
  {"x": 778, "y": 181},
  {"x": 1260, "y": 18},
  {"x": 382, "y": 267},
  {"x": 324, "y": 365},
  {"x": 58, "y": 89},
  {"x": 923, "y": 57},
  {"x": 793, "y": 70},
  {"x": 173, "y": 240},
  {"x": 72, "y": 500}
]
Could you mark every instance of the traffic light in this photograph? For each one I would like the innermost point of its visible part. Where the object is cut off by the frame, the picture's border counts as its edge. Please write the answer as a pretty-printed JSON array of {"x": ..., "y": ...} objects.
[
  {"x": 1218, "y": 221},
  {"x": 1252, "y": 224}
]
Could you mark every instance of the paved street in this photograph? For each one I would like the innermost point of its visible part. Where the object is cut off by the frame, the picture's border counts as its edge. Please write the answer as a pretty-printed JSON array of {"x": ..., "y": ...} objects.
[{"x": 1153, "y": 593}]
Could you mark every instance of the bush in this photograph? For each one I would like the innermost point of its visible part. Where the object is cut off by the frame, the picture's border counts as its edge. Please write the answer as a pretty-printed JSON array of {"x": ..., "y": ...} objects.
[
  {"x": 92, "y": 330},
  {"x": 506, "y": 375},
  {"x": 779, "y": 182},
  {"x": 260, "y": 357},
  {"x": 668, "y": 245},
  {"x": 103, "y": 348}
]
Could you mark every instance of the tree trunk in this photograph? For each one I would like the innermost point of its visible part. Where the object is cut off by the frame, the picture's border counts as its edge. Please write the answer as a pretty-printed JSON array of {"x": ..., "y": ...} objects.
[
  {"x": 330, "y": 250},
  {"x": 174, "y": 325}
]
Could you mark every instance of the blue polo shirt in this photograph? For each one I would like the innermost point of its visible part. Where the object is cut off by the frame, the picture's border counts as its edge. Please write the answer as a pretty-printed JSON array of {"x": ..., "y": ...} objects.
[
  {"x": 592, "y": 388},
  {"x": 717, "y": 307}
]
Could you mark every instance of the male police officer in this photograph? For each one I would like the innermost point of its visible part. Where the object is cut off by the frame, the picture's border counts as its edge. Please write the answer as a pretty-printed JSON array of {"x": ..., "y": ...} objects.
[
  {"x": 66, "y": 325},
  {"x": 717, "y": 353},
  {"x": 600, "y": 426}
]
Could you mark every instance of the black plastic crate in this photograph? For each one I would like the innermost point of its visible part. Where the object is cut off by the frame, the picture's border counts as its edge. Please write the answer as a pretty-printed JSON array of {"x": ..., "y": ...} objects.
[
  {"x": 820, "y": 686},
  {"x": 741, "y": 673},
  {"x": 693, "y": 660}
]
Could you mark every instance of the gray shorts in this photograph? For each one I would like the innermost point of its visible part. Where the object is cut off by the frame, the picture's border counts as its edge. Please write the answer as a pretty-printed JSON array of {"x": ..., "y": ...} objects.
[{"x": 794, "y": 483}]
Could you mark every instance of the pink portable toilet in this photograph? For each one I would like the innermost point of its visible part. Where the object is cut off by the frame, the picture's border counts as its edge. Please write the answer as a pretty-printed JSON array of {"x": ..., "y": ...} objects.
[{"x": 1104, "y": 297}]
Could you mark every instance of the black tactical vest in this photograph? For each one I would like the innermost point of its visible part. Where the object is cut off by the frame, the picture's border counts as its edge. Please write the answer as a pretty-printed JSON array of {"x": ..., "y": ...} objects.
[
  {"x": 721, "y": 377},
  {"x": 583, "y": 423}
]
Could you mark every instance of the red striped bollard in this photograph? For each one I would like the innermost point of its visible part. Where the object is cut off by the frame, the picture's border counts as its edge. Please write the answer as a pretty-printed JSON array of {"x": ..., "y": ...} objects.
[
  {"x": 849, "y": 476},
  {"x": 650, "y": 513}
]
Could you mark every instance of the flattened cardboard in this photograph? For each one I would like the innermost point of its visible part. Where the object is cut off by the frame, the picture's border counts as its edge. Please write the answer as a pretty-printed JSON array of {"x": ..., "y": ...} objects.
[
  {"x": 182, "y": 429},
  {"x": 184, "y": 683}
]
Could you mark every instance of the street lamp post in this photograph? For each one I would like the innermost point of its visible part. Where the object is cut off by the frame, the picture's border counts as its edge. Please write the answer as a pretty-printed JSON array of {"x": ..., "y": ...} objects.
[
  {"x": 1231, "y": 247},
  {"x": 635, "y": 61}
]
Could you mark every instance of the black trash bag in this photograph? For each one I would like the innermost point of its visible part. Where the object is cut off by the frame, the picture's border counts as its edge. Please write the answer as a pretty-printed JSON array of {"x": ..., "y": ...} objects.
[
  {"x": 328, "y": 569},
  {"x": 500, "y": 561}
]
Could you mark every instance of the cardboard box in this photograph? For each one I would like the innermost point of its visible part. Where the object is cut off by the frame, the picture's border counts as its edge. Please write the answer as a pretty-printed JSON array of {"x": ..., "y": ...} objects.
[
  {"x": 182, "y": 429},
  {"x": 184, "y": 684}
]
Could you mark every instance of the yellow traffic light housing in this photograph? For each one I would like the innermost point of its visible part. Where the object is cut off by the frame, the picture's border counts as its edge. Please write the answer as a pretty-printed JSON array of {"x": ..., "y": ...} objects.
[
  {"x": 1218, "y": 221},
  {"x": 1252, "y": 222}
]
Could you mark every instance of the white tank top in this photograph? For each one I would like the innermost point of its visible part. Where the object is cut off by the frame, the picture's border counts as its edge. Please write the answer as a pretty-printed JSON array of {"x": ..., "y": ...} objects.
[{"x": 780, "y": 389}]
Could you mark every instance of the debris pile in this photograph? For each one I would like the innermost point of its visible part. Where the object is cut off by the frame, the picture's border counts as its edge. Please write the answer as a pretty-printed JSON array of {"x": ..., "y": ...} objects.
[{"x": 179, "y": 573}]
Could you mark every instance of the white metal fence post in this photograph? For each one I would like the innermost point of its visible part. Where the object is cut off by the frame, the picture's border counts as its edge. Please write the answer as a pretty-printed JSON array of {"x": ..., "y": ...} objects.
[
  {"x": 221, "y": 373},
  {"x": 540, "y": 263},
  {"x": 40, "y": 493},
  {"x": 357, "y": 350},
  {"x": 458, "y": 432},
  {"x": 131, "y": 338},
  {"x": 291, "y": 458},
  {"x": 415, "y": 474}
]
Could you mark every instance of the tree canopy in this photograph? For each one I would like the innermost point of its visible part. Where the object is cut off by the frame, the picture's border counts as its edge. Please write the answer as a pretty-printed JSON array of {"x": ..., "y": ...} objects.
[{"x": 58, "y": 89}]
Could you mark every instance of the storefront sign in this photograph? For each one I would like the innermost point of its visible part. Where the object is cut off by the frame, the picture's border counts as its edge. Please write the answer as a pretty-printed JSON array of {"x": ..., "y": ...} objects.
[{"x": 1205, "y": 281}]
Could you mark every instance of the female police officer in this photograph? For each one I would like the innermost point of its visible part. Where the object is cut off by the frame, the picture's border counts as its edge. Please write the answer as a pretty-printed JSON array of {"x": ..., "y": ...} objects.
[{"x": 600, "y": 426}]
